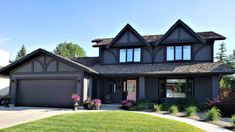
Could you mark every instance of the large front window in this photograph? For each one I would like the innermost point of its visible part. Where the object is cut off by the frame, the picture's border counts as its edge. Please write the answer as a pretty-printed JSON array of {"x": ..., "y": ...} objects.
[
  {"x": 176, "y": 88},
  {"x": 130, "y": 55},
  {"x": 178, "y": 53}
]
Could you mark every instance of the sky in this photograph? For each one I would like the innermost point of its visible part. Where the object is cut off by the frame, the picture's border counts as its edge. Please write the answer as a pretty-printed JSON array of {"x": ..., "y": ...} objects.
[{"x": 46, "y": 23}]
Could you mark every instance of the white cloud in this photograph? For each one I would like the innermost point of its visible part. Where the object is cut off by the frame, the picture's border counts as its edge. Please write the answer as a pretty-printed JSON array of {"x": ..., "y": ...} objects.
[{"x": 3, "y": 39}]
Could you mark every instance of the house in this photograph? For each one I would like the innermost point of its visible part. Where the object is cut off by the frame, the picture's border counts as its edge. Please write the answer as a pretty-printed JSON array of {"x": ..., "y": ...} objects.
[
  {"x": 176, "y": 65},
  {"x": 4, "y": 80}
]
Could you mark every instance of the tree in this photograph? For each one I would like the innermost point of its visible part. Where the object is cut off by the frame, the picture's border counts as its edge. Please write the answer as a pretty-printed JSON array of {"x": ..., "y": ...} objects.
[
  {"x": 69, "y": 50},
  {"x": 221, "y": 54},
  {"x": 230, "y": 61},
  {"x": 21, "y": 53}
]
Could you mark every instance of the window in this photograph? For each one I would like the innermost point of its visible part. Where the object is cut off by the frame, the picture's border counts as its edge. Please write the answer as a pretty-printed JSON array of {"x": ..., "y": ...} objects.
[
  {"x": 122, "y": 57},
  {"x": 130, "y": 55},
  {"x": 178, "y": 53},
  {"x": 170, "y": 53},
  {"x": 136, "y": 54},
  {"x": 176, "y": 88},
  {"x": 187, "y": 52}
]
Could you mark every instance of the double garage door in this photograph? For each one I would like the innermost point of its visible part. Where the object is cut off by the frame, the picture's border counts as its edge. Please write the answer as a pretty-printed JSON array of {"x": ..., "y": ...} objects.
[{"x": 45, "y": 92}]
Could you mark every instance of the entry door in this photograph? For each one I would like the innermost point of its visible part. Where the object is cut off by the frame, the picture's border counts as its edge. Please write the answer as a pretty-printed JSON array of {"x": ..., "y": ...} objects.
[
  {"x": 131, "y": 90},
  {"x": 117, "y": 91}
]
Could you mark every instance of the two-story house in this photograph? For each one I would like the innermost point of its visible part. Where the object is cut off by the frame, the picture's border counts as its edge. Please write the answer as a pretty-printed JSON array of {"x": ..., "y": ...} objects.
[{"x": 178, "y": 64}]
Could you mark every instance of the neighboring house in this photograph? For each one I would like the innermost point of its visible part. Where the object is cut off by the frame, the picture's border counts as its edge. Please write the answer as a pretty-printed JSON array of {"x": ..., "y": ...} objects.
[
  {"x": 176, "y": 65},
  {"x": 4, "y": 80}
]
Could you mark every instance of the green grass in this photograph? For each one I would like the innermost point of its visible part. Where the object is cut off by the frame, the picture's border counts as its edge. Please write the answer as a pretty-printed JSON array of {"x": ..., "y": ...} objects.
[{"x": 112, "y": 121}]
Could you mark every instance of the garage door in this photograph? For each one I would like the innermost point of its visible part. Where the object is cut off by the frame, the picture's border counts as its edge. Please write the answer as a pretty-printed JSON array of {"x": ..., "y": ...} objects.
[{"x": 46, "y": 93}]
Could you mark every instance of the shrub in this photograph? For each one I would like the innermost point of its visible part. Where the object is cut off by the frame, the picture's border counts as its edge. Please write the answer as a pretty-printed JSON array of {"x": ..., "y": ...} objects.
[
  {"x": 191, "y": 110},
  {"x": 184, "y": 103},
  {"x": 157, "y": 107},
  {"x": 166, "y": 106},
  {"x": 203, "y": 107},
  {"x": 127, "y": 104},
  {"x": 227, "y": 106},
  {"x": 144, "y": 104},
  {"x": 173, "y": 109},
  {"x": 213, "y": 114},
  {"x": 233, "y": 119}
]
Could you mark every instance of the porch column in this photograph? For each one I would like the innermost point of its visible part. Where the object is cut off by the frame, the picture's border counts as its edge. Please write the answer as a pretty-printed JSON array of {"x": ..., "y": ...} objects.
[{"x": 141, "y": 87}]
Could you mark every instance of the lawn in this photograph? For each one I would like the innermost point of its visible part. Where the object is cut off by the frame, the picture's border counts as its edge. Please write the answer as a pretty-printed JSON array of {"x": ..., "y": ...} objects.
[{"x": 117, "y": 121}]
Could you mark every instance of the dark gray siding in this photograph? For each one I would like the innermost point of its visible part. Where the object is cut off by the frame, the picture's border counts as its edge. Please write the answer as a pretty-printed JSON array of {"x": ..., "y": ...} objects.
[
  {"x": 159, "y": 54},
  {"x": 151, "y": 89},
  {"x": 110, "y": 56},
  {"x": 128, "y": 38},
  {"x": 202, "y": 52},
  {"x": 203, "y": 88},
  {"x": 146, "y": 55},
  {"x": 178, "y": 35}
]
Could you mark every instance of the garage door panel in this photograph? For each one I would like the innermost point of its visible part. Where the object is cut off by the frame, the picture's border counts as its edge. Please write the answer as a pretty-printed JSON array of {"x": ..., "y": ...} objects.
[{"x": 52, "y": 93}]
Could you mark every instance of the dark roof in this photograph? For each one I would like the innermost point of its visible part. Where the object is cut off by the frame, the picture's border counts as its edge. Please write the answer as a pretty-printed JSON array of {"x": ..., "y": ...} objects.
[
  {"x": 208, "y": 35},
  {"x": 164, "y": 68},
  {"x": 183, "y": 25},
  {"x": 87, "y": 60},
  {"x": 128, "y": 27},
  {"x": 8, "y": 68},
  {"x": 93, "y": 65}
]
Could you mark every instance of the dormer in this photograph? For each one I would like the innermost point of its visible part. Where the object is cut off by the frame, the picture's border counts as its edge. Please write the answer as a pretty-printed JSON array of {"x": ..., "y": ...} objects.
[{"x": 178, "y": 42}]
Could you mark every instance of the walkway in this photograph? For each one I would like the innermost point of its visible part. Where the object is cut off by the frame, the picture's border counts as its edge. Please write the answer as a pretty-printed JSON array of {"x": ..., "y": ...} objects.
[{"x": 203, "y": 125}]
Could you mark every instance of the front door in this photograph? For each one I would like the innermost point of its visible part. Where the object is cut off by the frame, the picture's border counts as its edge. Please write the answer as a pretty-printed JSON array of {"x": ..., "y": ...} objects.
[
  {"x": 117, "y": 90},
  {"x": 131, "y": 90}
]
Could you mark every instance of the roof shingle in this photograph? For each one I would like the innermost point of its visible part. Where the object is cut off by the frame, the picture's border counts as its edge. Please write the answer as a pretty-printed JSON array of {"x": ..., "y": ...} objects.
[{"x": 209, "y": 35}]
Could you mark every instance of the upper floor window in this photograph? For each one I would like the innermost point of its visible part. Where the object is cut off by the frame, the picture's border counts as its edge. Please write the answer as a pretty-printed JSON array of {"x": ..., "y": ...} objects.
[
  {"x": 178, "y": 53},
  {"x": 130, "y": 55}
]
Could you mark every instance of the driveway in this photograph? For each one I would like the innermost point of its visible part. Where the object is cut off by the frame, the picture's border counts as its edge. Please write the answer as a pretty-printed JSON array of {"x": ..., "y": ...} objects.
[{"x": 18, "y": 115}]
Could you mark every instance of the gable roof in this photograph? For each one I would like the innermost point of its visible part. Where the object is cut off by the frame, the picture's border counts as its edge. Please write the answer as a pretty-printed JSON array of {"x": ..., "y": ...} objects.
[
  {"x": 208, "y": 36},
  {"x": 128, "y": 27},
  {"x": 180, "y": 23},
  {"x": 36, "y": 53}
]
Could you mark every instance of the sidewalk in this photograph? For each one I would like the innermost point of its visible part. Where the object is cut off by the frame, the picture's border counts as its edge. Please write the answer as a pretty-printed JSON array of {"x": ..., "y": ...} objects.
[{"x": 202, "y": 125}]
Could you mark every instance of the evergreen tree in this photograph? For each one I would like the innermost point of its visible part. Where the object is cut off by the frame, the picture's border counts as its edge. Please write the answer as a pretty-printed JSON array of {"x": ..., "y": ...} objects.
[
  {"x": 221, "y": 54},
  {"x": 21, "y": 53}
]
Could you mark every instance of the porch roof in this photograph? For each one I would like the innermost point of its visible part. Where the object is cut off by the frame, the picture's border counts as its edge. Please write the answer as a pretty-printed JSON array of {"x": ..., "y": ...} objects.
[{"x": 163, "y": 68}]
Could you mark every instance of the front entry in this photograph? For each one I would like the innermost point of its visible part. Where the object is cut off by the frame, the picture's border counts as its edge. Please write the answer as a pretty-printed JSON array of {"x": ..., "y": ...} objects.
[
  {"x": 131, "y": 90},
  {"x": 122, "y": 89}
]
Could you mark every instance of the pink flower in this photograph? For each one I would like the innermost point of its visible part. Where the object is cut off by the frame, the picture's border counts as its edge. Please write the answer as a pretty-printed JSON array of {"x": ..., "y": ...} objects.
[
  {"x": 75, "y": 97},
  {"x": 97, "y": 101},
  {"x": 124, "y": 102}
]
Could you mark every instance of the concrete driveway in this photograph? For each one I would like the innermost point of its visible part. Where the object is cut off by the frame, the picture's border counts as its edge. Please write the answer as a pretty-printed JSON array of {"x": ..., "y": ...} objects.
[{"x": 18, "y": 115}]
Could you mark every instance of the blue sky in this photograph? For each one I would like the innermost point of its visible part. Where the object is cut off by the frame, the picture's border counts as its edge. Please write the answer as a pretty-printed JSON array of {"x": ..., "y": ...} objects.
[{"x": 45, "y": 23}]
